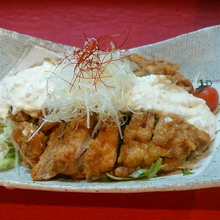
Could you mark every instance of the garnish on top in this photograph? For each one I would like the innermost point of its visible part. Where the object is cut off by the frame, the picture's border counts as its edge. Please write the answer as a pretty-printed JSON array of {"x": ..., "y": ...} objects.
[{"x": 89, "y": 80}]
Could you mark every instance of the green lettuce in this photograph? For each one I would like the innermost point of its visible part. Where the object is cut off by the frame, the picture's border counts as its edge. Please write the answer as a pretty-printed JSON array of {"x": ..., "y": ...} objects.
[
  {"x": 7, "y": 150},
  {"x": 141, "y": 173},
  {"x": 186, "y": 172}
]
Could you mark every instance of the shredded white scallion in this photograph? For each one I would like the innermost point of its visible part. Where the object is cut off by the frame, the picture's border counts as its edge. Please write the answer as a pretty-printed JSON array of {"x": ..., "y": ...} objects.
[
  {"x": 44, "y": 122},
  {"x": 106, "y": 97},
  {"x": 196, "y": 80}
]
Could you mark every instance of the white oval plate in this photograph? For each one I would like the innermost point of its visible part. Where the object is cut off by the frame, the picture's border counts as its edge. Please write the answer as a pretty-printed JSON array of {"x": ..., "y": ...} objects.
[{"x": 196, "y": 52}]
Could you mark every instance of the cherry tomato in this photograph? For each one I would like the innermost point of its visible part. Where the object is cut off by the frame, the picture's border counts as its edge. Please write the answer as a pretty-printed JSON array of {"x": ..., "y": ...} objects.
[{"x": 209, "y": 94}]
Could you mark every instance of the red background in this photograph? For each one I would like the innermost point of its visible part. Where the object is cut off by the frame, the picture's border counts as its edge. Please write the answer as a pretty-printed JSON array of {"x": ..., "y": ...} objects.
[{"x": 65, "y": 22}]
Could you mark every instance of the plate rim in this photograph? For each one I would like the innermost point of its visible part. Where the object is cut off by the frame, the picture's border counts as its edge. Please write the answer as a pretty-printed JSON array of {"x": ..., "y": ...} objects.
[{"x": 11, "y": 184}]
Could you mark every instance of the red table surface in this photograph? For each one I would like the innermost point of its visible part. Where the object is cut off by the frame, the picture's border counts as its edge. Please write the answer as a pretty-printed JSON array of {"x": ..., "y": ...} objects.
[{"x": 65, "y": 22}]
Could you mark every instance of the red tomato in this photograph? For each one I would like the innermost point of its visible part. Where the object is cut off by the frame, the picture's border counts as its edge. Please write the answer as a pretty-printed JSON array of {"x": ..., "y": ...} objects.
[{"x": 210, "y": 95}]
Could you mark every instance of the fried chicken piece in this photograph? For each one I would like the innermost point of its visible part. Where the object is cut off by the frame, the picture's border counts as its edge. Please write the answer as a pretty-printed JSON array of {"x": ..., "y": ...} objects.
[
  {"x": 102, "y": 152},
  {"x": 22, "y": 117},
  {"x": 137, "y": 136},
  {"x": 173, "y": 140},
  {"x": 32, "y": 149},
  {"x": 171, "y": 71},
  {"x": 44, "y": 170},
  {"x": 19, "y": 117},
  {"x": 47, "y": 126},
  {"x": 74, "y": 143}
]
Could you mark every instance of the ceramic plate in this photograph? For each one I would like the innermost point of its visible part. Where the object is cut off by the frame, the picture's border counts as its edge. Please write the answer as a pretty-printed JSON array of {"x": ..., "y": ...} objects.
[{"x": 196, "y": 52}]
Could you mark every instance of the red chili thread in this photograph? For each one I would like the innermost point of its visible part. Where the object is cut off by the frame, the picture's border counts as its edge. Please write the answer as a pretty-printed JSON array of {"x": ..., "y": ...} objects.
[{"x": 90, "y": 60}]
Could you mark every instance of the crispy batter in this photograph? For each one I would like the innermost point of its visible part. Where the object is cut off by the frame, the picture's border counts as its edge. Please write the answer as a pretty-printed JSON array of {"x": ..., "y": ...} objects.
[
  {"x": 48, "y": 59},
  {"x": 71, "y": 152},
  {"x": 148, "y": 67},
  {"x": 19, "y": 117},
  {"x": 44, "y": 170},
  {"x": 47, "y": 126},
  {"x": 22, "y": 117},
  {"x": 136, "y": 139},
  {"x": 75, "y": 141},
  {"x": 30, "y": 150},
  {"x": 173, "y": 140},
  {"x": 102, "y": 152}
]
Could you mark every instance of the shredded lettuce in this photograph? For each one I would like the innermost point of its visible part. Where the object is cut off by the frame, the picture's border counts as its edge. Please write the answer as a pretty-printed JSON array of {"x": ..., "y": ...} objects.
[
  {"x": 217, "y": 131},
  {"x": 7, "y": 150},
  {"x": 140, "y": 173},
  {"x": 186, "y": 172}
]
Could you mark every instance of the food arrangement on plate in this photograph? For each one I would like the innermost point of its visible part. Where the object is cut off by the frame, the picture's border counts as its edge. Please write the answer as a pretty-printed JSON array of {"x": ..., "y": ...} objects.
[{"x": 101, "y": 114}]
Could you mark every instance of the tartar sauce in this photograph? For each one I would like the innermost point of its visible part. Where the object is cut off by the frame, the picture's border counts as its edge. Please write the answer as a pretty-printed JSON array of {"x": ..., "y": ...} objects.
[
  {"x": 25, "y": 91},
  {"x": 157, "y": 94}
]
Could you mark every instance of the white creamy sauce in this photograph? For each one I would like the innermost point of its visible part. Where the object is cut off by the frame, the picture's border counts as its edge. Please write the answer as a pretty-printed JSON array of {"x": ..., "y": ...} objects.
[
  {"x": 161, "y": 96},
  {"x": 25, "y": 91}
]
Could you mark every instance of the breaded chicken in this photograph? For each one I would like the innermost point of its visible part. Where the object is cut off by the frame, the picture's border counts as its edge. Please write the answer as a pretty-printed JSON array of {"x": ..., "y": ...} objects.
[
  {"x": 137, "y": 136},
  {"x": 171, "y": 71},
  {"x": 19, "y": 117},
  {"x": 172, "y": 139},
  {"x": 75, "y": 141},
  {"x": 44, "y": 169},
  {"x": 101, "y": 155},
  {"x": 46, "y": 126},
  {"x": 32, "y": 149}
]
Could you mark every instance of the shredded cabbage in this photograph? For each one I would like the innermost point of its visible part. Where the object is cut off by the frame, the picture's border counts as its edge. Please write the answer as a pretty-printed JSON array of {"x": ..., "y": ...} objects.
[{"x": 7, "y": 150}]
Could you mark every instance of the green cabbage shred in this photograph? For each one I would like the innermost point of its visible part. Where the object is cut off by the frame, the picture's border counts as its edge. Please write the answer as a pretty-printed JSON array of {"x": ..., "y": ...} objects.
[
  {"x": 137, "y": 175},
  {"x": 7, "y": 150},
  {"x": 186, "y": 172}
]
